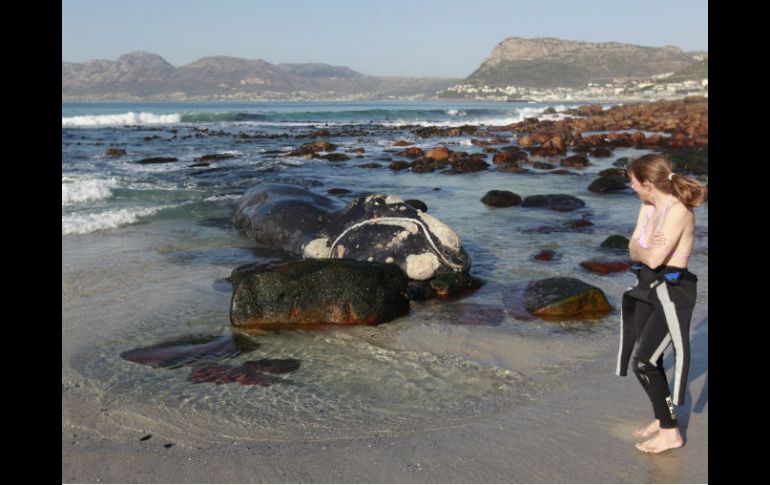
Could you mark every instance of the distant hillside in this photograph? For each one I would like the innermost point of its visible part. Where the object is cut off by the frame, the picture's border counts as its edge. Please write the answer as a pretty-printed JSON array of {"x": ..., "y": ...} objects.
[
  {"x": 145, "y": 75},
  {"x": 693, "y": 72},
  {"x": 550, "y": 62}
]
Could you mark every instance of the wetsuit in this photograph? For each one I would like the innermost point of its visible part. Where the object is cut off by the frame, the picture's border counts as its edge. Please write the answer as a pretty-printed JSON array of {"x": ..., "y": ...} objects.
[{"x": 654, "y": 314}]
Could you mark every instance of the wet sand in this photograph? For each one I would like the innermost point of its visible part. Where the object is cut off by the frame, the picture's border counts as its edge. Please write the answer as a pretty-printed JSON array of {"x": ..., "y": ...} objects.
[{"x": 573, "y": 425}]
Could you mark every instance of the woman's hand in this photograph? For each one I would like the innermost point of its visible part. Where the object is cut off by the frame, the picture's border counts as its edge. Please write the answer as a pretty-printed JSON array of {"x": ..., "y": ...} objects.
[{"x": 658, "y": 239}]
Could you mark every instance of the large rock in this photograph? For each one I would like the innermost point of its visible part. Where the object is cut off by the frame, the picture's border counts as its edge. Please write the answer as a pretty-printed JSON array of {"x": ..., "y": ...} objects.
[
  {"x": 372, "y": 227},
  {"x": 557, "y": 202},
  {"x": 556, "y": 299},
  {"x": 316, "y": 292}
]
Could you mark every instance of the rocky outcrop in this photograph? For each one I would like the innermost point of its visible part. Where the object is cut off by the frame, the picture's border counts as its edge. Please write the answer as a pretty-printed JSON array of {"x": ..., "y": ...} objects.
[{"x": 318, "y": 292}]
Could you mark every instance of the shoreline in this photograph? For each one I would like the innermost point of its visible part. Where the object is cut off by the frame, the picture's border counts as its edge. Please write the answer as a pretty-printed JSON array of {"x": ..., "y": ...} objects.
[{"x": 587, "y": 426}]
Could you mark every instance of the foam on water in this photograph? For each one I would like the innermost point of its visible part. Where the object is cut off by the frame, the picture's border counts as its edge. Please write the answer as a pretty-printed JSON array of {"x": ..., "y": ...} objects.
[
  {"x": 130, "y": 118},
  {"x": 76, "y": 190},
  {"x": 91, "y": 222}
]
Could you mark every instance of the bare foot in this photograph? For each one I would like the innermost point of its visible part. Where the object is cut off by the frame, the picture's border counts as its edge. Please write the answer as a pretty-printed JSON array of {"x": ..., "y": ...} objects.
[
  {"x": 648, "y": 430},
  {"x": 665, "y": 440}
]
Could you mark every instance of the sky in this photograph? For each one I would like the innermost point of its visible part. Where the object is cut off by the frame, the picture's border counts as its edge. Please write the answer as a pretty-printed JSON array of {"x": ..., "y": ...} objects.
[{"x": 425, "y": 38}]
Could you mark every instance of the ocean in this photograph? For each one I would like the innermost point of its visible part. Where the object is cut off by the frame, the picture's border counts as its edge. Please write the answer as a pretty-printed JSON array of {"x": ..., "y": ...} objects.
[{"x": 146, "y": 249}]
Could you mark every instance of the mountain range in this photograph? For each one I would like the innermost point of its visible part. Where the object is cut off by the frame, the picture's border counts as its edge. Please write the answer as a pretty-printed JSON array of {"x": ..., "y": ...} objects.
[
  {"x": 149, "y": 76},
  {"x": 537, "y": 62}
]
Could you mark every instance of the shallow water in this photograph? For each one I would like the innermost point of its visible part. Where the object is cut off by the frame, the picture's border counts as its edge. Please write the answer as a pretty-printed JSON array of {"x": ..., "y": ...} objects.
[{"x": 145, "y": 249}]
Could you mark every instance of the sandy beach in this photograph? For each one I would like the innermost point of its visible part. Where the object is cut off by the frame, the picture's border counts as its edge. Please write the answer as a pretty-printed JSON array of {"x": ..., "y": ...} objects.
[{"x": 576, "y": 427}]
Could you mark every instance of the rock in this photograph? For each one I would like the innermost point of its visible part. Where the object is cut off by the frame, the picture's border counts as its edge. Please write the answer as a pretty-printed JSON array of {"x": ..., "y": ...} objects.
[
  {"x": 620, "y": 172},
  {"x": 544, "y": 165},
  {"x": 616, "y": 242},
  {"x": 525, "y": 141},
  {"x": 556, "y": 299},
  {"x": 607, "y": 265},
  {"x": 576, "y": 161},
  {"x": 545, "y": 255},
  {"x": 557, "y": 202},
  {"x": 373, "y": 165},
  {"x": 417, "y": 204},
  {"x": 601, "y": 152},
  {"x": 611, "y": 183},
  {"x": 437, "y": 154},
  {"x": 146, "y": 161},
  {"x": 413, "y": 152},
  {"x": 582, "y": 222},
  {"x": 621, "y": 162},
  {"x": 402, "y": 143},
  {"x": 467, "y": 165},
  {"x": 213, "y": 158},
  {"x": 334, "y": 157},
  {"x": 399, "y": 165},
  {"x": 198, "y": 165},
  {"x": 511, "y": 168},
  {"x": 549, "y": 111},
  {"x": 318, "y": 292},
  {"x": 444, "y": 286},
  {"x": 563, "y": 171},
  {"x": 510, "y": 157},
  {"x": 312, "y": 149},
  {"x": 321, "y": 133},
  {"x": 338, "y": 191},
  {"x": 501, "y": 198},
  {"x": 114, "y": 152}
]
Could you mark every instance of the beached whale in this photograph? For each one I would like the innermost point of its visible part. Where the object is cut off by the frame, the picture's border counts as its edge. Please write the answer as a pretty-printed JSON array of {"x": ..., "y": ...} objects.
[{"x": 372, "y": 227}]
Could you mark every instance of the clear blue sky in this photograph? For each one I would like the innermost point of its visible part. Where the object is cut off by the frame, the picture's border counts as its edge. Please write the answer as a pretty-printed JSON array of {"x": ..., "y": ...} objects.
[{"x": 447, "y": 38}]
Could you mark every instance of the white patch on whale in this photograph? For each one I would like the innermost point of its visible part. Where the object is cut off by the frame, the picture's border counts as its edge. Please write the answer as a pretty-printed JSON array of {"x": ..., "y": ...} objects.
[
  {"x": 444, "y": 233},
  {"x": 392, "y": 199},
  {"x": 316, "y": 249},
  {"x": 421, "y": 266}
]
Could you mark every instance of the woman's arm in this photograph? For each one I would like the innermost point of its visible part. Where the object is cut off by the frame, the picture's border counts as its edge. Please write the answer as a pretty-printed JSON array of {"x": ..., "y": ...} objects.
[
  {"x": 637, "y": 232},
  {"x": 666, "y": 239}
]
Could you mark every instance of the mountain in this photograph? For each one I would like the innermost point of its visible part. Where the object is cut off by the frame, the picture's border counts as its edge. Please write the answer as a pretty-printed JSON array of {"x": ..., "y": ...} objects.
[
  {"x": 142, "y": 75},
  {"x": 694, "y": 72},
  {"x": 549, "y": 63}
]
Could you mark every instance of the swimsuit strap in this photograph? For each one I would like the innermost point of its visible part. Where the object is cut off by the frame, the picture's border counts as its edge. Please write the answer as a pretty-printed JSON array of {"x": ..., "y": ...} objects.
[{"x": 663, "y": 214}]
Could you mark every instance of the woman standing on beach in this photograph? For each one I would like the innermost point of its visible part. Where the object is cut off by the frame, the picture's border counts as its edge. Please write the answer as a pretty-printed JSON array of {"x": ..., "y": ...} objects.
[{"x": 657, "y": 311}]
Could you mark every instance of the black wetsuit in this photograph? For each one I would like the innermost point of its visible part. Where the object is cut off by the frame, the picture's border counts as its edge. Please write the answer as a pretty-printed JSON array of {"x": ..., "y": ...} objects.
[{"x": 654, "y": 314}]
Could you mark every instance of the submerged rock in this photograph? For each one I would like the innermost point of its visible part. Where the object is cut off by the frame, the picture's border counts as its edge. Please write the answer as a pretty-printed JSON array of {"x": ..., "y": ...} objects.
[
  {"x": 444, "y": 286},
  {"x": 501, "y": 198},
  {"x": 557, "y": 202},
  {"x": 146, "y": 161},
  {"x": 190, "y": 350},
  {"x": 604, "y": 265},
  {"x": 556, "y": 299}
]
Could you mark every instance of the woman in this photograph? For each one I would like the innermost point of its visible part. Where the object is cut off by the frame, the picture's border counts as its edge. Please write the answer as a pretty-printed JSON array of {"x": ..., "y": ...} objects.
[{"x": 657, "y": 311}]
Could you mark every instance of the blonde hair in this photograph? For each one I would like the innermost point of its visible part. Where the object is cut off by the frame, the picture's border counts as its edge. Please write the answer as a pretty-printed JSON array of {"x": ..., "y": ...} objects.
[{"x": 657, "y": 170}]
